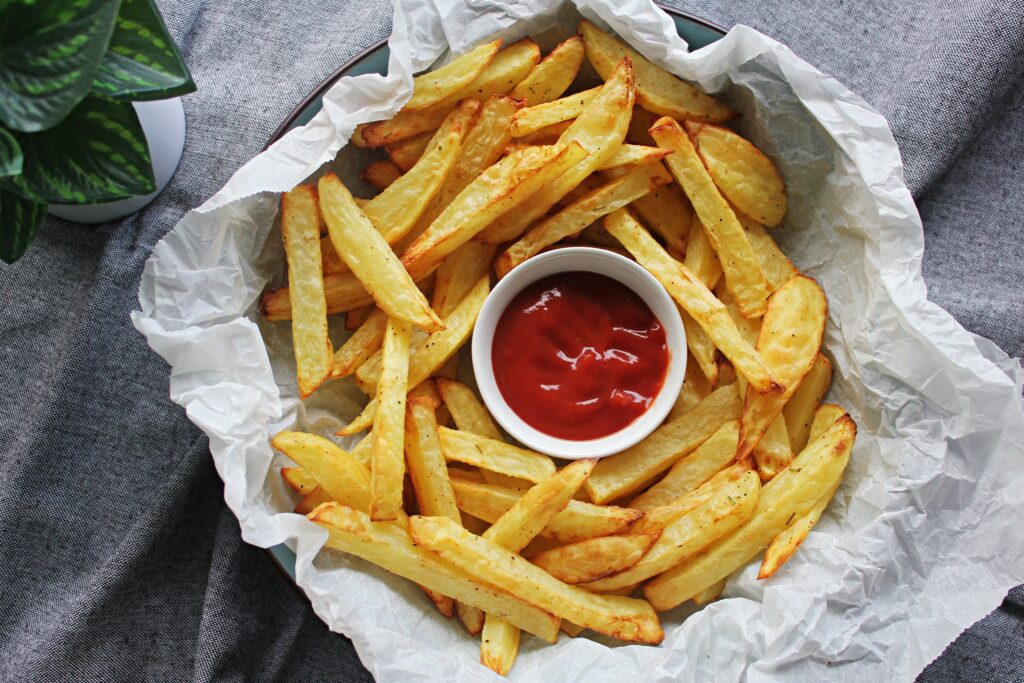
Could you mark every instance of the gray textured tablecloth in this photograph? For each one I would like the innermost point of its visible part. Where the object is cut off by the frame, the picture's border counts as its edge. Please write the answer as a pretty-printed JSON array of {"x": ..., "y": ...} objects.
[{"x": 119, "y": 558}]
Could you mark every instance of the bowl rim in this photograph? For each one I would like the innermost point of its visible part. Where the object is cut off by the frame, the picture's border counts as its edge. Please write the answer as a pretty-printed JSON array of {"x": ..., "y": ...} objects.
[{"x": 601, "y": 262}]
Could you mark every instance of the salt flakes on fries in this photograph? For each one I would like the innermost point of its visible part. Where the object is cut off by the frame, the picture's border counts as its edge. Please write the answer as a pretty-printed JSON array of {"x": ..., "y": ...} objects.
[{"x": 495, "y": 158}]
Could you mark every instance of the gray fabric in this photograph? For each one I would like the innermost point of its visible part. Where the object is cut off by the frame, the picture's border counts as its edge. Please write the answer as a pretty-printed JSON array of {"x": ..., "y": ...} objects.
[{"x": 121, "y": 561}]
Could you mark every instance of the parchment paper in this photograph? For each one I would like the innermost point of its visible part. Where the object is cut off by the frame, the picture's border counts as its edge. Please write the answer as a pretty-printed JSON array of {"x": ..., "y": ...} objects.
[{"x": 926, "y": 534}]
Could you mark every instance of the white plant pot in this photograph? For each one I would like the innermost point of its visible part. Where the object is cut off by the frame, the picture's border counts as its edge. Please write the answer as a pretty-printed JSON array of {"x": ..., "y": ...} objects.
[{"x": 163, "y": 123}]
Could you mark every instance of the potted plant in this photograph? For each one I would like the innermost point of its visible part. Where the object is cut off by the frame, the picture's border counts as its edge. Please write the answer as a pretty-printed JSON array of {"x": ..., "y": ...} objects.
[{"x": 70, "y": 71}]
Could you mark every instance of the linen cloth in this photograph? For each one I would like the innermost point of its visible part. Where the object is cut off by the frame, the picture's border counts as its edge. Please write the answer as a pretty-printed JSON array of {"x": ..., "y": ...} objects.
[{"x": 121, "y": 561}]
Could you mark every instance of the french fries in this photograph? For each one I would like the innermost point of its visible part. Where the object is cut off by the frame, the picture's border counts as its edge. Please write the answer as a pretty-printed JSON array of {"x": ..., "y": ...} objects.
[
  {"x": 494, "y": 455},
  {"x": 300, "y": 228},
  {"x": 363, "y": 343},
  {"x": 434, "y": 87},
  {"x": 534, "y": 118},
  {"x": 553, "y": 75},
  {"x": 388, "y": 443},
  {"x": 799, "y": 412},
  {"x": 468, "y": 413},
  {"x": 593, "y": 559}
]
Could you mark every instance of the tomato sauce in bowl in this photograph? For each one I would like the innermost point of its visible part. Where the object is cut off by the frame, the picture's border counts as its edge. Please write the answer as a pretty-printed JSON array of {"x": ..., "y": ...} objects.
[{"x": 578, "y": 355}]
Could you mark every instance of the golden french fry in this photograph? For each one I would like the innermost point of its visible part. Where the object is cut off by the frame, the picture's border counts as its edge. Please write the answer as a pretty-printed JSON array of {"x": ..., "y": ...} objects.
[
  {"x": 695, "y": 388},
  {"x": 446, "y": 82},
  {"x": 469, "y": 413},
  {"x": 824, "y": 417},
  {"x": 311, "y": 500},
  {"x": 405, "y": 153},
  {"x": 799, "y": 412},
  {"x": 435, "y": 351},
  {"x": 772, "y": 452},
  {"x": 388, "y": 462},
  {"x": 696, "y": 299},
  {"x": 629, "y": 471},
  {"x": 336, "y": 472},
  {"x": 749, "y": 328},
  {"x": 426, "y": 393},
  {"x": 628, "y": 157},
  {"x": 499, "y": 644},
  {"x": 741, "y": 171},
  {"x": 300, "y": 228},
  {"x": 494, "y": 192},
  {"x": 657, "y": 518},
  {"x": 545, "y": 136},
  {"x": 368, "y": 255},
  {"x": 402, "y": 126},
  {"x": 382, "y": 173},
  {"x": 776, "y": 266},
  {"x": 624, "y": 618},
  {"x": 666, "y": 211},
  {"x": 656, "y": 89},
  {"x": 700, "y": 257},
  {"x": 532, "y": 119},
  {"x": 553, "y": 75},
  {"x": 494, "y": 455},
  {"x": 343, "y": 292},
  {"x": 739, "y": 262},
  {"x": 793, "y": 493},
  {"x": 458, "y": 273},
  {"x": 709, "y": 521},
  {"x": 367, "y": 375},
  {"x": 577, "y": 522},
  {"x": 571, "y": 220},
  {"x": 363, "y": 343},
  {"x": 790, "y": 337},
  {"x": 702, "y": 349},
  {"x": 362, "y": 452},
  {"x": 599, "y": 129},
  {"x": 298, "y": 479},
  {"x": 390, "y": 547},
  {"x": 693, "y": 470},
  {"x": 709, "y": 594},
  {"x": 595, "y": 558}
]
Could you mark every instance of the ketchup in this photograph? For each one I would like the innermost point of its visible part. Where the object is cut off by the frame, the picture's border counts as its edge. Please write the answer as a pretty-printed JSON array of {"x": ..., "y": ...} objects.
[{"x": 579, "y": 355}]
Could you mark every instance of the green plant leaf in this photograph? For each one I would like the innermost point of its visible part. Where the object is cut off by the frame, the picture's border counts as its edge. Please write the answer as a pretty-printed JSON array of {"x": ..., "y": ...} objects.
[
  {"x": 50, "y": 51},
  {"x": 19, "y": 218},
  {"x": 97, "y": 154},
  {"x": 142, "y": 61},
  {"x": 10, "y": 154}
]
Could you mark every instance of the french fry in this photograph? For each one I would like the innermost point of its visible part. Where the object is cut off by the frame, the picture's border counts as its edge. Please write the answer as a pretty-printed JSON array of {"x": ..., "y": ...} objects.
[
  {"x": 799, "y": 411},
  {"x": 629, "y": 471},
  {"x": 593, "y": 559},
  {"x": 343, "y": 292},
  {"x": 426, "y": 393},
  {"x": 741, "y": 171},
  {"x": 545, "y": 136},
  {"x": 367, "y": 375},
  {"x": 790, "y": 337},
  {"x": 695, "y": 388},
  {"x": 446, "y": 82},
  {"x": 739, "y": 262},
  {"x": 311, "y": 501},
  {"x": 533, "y": 118},
  {"x": 362, "y": 452},
  {"x": 700, "y": 257},
  {"x": 666, "y": 211},
  {"x": 599, "y": 129},
  {"x": 494, "y": 192},
  {"x": 336, "y": 472},
  {"x": 702, "y": 349},
  {"x": 300, "y": 228},
  {"x": 772, "y": 452},
  {"x": 363, "y": 343},
  {"x": 402, "y": 126},
  {"x": 656, "y": 89},
  {"x": 624, "y": 618},
  {"x": 824, "y": 417},
  {"x": 391, "y": 548},
  {"x": 709, "y": 521},
  {"x": 368, "y": 255},
  {"x": 775, "y": 265},
  {"x": 628, "y": 157},
  {"x": 696, "y": 299},
  {"x": 577, "y": 522},
  {"x": 494, "y": 455},
  {"x": 693, "y": 470},
  {"x": 793, "y": 493},
  {"x": 571, "y": 220},
  {"x": 749, "y": 328},
  {"x": 709, "y": 594},
  {"x": 467, "y": 411},
  {"x": 388, "y": 468},
  {"x": 298, "y": 479},
  {"x": 657, "y": 518},
  {"x": 381, "y": 174},
  {"x": 435, "y": 351},
  {"x": 458, "y": 273},
  {"x": 553, "y": 75},
  {"x": 405, "y": 153}
]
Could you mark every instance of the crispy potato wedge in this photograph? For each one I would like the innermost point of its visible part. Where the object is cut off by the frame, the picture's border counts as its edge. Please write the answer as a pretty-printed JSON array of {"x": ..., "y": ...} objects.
[
  {"x": 469, "y": 413},
  {"x": 628, "y": 157},
  {"x": 336, "y": 472},
  {"x": 599, "y": 129},
  {"x": 709, "y": 521},
  {"x": 613, "y": 195},
  {"x": 657, "y": 90},
  {"x": 629, "y": 471},
  {"x": 657, "y": 518},
  {"x": 425, "y": 392},
  {"x": 776, "y": 266},
  {"x": 749, "y": 328},
  {"x": 300, "y": 228},
  {"x": 666, "y": 211},
  {"x": 405, "y": 153},
  {"x": 695, "y": 388},
  {"x": 545, "y": 136},
  {"x": 499, "y": 644},
  {"x": 739, "y": 262},
  {"x": 363, "y": 343},
  {"x": 793, "y": 493},
  {"x": 388, "y": 461},
  {"x": 595, "y": 558},
  {"x": 343, "y": 292},
  {"x": 367, "y": 253},
  {"x": 381, "y": 174},
  {"x": 503, "y": 186},
  {"x": 459, "y": 273},
  {"x": 435, "y": 351},
  {"x": 772, "y": 452},
  {"x": 693, "y": 470},
  {"x": 445, "y": 82},
  {"x": 391, "y": 548},
  {"x": 402, "y": 126},
  {"x": 362, "y": 452},
  {"x": 553, "y": 75},
  {"x": 799, "y": 411},
  {"x": 494, "y": 455},
  {"x": 824, "y": 416},
  {"x": 790, "y": 337},
  {"x": 298, "y": 480},
  {"x": 508, "y": 68},
  {"x": 624, "y": 618},
  {"x": 534, "y": 118},
  {"x": 577, "y": 522},
  {"x": 741, "y": 171},
  {"x": 367, "y": 375},
  {"x": 696, "y": 299}
]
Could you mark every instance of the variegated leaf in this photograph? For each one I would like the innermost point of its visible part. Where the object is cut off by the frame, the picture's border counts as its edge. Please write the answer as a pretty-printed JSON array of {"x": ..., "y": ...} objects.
[
  {"x": 19, "y": 218},
  {"x": 10, "y": 154}
]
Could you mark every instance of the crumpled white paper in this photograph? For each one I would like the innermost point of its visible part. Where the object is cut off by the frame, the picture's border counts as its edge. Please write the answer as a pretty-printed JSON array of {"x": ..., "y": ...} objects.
[{"x": 925, "y": 536}]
